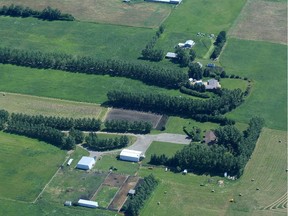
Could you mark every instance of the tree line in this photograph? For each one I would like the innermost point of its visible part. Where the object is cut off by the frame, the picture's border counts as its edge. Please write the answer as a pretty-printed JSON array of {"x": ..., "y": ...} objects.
[
  {"x": 151, "y": 75},
  {"x": 143, "y": 192},
  {"x": 230, "y": 153},
  {"x": 219, "y": 43},
  {"x": 4, "y": 116},
  {"x": 191, "y": 92},
  {"x": 124, "y": 126},
  {"x": 47, "y": 13},
  {"x": 175, "y": 105}
]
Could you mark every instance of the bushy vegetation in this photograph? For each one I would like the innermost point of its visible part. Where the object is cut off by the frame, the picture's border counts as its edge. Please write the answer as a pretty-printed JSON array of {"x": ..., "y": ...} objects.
[
  {"x": 47, "y": 13},
  {"x": 151, "y": 75},
  {"x": 124, "y": 126},
  {"x": 4, "y": 115},
  {"x": 220, "y": 119},
  {"x": 219, "y": 43},
  {"x": 191, "y": 92}
]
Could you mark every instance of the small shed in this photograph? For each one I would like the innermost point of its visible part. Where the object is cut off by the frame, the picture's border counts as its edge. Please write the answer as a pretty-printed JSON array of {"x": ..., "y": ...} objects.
[
  {"x": 185, "y": 172},
  {"x": 130, "y": 155},
  {"x": 210, "y": 137},
  {"x": 87, "y": 203},
  {"x": 171, "y": 55},
  {"x": 68, "y": 203},
  {"x": 86, "y": 163},
  {"x": 131, "y": 192},
  {"x": 69, "y": 162}
]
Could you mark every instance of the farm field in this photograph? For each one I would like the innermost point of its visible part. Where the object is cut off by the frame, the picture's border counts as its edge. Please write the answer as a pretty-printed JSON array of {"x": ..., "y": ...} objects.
[
  {"x": 265, "y": 64},
  {"x": 159, "y": 148},
  {"x": 26, "y": 166},
  {"x": 32, "y": 105},
  {"x": 138, "y": 13},
  {"x": 76, "y": 38},
  {"x": 262, "y": 20},
  {"x": 105, "y": 195},
  {"x": 267, "y": 167},
  {"x": 68, "y": 86}
]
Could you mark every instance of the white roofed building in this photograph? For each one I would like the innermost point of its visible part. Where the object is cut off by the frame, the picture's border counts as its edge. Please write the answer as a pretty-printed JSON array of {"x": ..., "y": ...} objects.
[
  {"x": 86, "y": 163},
  {"x": 130, "y": 155},
  {"x": 212, "y": 84},
  {"x": 87, "y": 203},
  {"x": 187, "y": 44}
]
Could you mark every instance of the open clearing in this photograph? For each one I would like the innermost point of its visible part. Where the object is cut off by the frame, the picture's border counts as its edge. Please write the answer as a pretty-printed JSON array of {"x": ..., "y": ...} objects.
[
  {"x": 142, "y": 14},
  {"x": 262, "y": 20},
  {"x": 131, "y": 116},
  {"x": 26, "y": 166},
  {"x": 32, "y": 105},
  {"x": 267, "y": 167}
]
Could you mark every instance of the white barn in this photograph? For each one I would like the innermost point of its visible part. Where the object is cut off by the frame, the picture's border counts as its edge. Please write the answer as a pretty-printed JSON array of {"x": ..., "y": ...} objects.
[
  {"x": 130, "y": 155},
  {"x": 86, "y": 163},
  {"x": 87, "y": 203}
]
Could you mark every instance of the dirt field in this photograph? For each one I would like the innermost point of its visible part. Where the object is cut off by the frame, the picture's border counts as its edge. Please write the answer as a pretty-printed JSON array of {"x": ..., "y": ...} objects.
[
  {"x": 114, "y": 180},
  {"x": 262, "y": 20},
  {"x": 109, "y": 11},
  {"x": 129, "y": 115},
  {"x": 121, "y": 196}
]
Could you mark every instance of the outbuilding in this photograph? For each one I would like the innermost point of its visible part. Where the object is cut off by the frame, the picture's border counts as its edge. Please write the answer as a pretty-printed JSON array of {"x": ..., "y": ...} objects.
[
  {"x": 69, "y": 162},
  {"x": 130, "y": 155},
  {"x": 86, "y": 163},
  {"x": 171, "y": 55},
  {"x": 87, "y": 203}
]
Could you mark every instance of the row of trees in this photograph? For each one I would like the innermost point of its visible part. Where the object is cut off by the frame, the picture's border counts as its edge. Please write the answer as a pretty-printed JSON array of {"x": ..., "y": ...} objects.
[
  {"x": 4, "y": 115},
  {"x": 143, "y": 192},
  {"x": 174, "y": 105},
  {"x": 124, "y": 126},
  {"x": 195, "y": 93},
  {"x": 60, "y": 123},
  {"x": 149, "y": 53},
  {"x": 230, "y": 154},
  {"x": 94, "y": 143},
  {"x": 159, "y": 76},
  {"x": 219, "y": 43},
  {"x": 47, "y": 13},
  {"x": 219, "y": 119},
  {"x": 196, "y": 72}
]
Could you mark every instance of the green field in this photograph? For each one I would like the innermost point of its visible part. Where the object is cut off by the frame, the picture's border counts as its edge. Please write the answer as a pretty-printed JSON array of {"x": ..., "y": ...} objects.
[
  {"x": 26, "y": 166},
  {"x": 267, "y": 167},
  {"x": 159, "y": 148},
  {"x": 266, "y": 64},
  {"x": 105, "y": 195}
]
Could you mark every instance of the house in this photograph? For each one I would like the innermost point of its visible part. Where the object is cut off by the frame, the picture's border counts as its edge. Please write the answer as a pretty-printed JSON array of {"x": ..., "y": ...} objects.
[
  {"x": 210, "y": 137},
  {"x": 130, "y": 155},
  {"x": 187, "y": 44},
  {"x": 171, "y": 55},
  {"x": 86, "y": 163},
  {"x": 69, "y": 162},
  {"x": 212, "y": 84},
  {"x": 87, "y": 203}
]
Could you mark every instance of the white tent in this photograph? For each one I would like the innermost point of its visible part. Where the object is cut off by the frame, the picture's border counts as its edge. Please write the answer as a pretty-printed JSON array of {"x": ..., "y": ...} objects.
[
  {"x": 87, "y": 203},
  {"x": 86, "y": 163},
  {"x": 130, "y": 155}
]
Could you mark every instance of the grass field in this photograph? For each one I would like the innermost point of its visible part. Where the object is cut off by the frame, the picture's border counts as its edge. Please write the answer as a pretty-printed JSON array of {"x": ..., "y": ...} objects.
[
  {"x": 69, "y": 86},
  {"x": 105, "y": 195},
  {"x": 76, "y": 38},
  {"x": 185, "y": 195},
  {"x": 26, "y": 166},
  {"x": 158, "y": 148},
  {"x": 262, "y": 20},
  {"x": 265, "y": 64},
  {"x": 137, "y": 13},
  {"x": 19, "y": 103}
]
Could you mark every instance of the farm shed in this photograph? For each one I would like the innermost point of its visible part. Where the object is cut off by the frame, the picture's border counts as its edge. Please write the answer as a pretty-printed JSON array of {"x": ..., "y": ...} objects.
[
  {"x": 187, "y": 44},
  {"x": 171, "y": 55},
  {"x": 69, "y": 162},
  {"x": 210, "y": 137},
  {"x": 130, "y": 155},
  {"x": 87, "y": 203},
  {"x": 86, "y": 163}
]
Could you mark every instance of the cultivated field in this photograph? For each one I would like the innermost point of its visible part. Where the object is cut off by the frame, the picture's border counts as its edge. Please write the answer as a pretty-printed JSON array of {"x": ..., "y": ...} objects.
[
  {"x": 266, "y": 64},
  {"x": 262, "y": 20},
  {"x": 19, "y": 103},
  {"x": 131, "y": 116},
  {"x": 139, "y": 13},
  {"x": 26, "y": 166}
]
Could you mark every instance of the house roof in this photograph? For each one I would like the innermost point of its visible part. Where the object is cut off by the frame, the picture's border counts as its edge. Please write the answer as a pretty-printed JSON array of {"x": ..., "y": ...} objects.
[
  {"x": 130, "y": 153},
  {"x": 209, "y": 136}
]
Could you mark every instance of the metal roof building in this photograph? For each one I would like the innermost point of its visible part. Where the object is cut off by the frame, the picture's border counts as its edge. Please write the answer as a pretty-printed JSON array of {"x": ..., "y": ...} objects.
[
  {"x": 87, "y": 203},
  {"x": 86, "y": 163},
  {"x": 130, "y": 155}
]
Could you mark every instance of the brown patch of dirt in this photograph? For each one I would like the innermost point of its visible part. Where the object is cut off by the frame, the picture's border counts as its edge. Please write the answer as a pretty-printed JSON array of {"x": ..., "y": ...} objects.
[
  {"x": 262, "y": 20},
  {"x": 114, "y": 180}
]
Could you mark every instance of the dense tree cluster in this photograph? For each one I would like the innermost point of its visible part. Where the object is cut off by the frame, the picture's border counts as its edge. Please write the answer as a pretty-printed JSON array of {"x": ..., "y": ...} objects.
[
  {"x": 4, "y": 115},
  {"x": 219, "y": 119},
  {"x": 184, "y": 57},
  {"x": 215, "y": 72},
  {"x": 60, "y": 123},
  {"x": 143, "y": 192},
  {"x": 47, "y": 13},
  {"x": 230, "y": 154},
  {"x": 193, "y": 132},
  {"x": 149, "y": 53},
  {"x": 124, "y": 126},
  {"x": 219, "y": 43},
  {"x": 160, "y": 103},
  {"x": 195, "y": 93},
  {"x": 94, "y": 143},
  {"x": 163, "y": 77}
]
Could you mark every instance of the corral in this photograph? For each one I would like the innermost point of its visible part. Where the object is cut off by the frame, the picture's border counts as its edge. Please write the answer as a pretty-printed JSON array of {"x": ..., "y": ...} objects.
[{"x": 131, "y": 115}]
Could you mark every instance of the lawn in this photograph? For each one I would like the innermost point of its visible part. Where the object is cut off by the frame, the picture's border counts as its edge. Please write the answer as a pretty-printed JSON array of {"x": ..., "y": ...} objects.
[
  {"x": 31, "y": 105},
  {"x": 266, "y": 64},
  {"x": 76, "y": 38},
  {"x": 69, "y": 86},
  {"x": 110, "y": 160},
  {"x": 234, "y": 84},
  {"x": 185, "y": 195},
  {"x": 105, "y": 195},
  {"x": 159, "y": 148},
  {"x": 26, "y": 166},
  {"x": 135, "y": 13}
]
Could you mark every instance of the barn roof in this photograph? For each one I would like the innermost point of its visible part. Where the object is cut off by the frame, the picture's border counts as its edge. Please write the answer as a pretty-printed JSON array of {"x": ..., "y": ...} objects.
[
  {"x": 86, "y": 161},
  {"x": 130, "y": 153}
]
